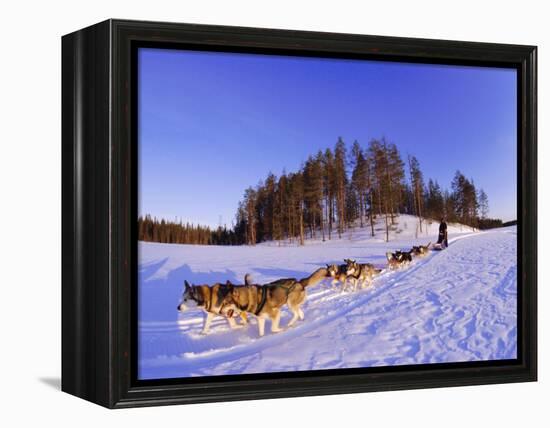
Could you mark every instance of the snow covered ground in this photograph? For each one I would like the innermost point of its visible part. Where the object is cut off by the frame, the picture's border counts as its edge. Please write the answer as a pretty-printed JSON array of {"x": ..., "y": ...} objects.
[{"x": 454, "y": 305}]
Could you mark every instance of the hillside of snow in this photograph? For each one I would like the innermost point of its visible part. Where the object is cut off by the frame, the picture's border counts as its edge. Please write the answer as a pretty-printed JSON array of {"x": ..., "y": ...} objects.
[
  {"x": 405, "y": 229},
  {"x": 454, "y": 305}
]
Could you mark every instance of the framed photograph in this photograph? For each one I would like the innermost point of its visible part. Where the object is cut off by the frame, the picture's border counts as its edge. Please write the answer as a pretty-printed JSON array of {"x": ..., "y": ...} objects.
[{"x": 253, "y": 213}]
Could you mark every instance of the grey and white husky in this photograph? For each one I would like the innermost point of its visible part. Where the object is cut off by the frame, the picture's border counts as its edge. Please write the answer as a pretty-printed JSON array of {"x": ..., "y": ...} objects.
[
  {"x": 338, "y": 273},
  {"x": 211, "y": 299},
  {"x": 361, "y": 273}
]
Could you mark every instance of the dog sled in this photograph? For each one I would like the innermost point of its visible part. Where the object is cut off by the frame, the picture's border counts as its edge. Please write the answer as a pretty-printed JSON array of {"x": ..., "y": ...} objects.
[{"x": 441, "y": 243}]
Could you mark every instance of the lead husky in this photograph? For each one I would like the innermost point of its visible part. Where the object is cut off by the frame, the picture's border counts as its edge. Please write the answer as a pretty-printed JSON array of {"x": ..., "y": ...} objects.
[
  {"x": 210, "y": 299},
  {"x": 361, "y": 273},
  {"x": 266, "y": 301}
]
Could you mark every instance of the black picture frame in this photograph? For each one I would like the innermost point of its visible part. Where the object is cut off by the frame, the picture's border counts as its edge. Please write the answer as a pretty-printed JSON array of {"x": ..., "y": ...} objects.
[{"x": 99, "y": 194}]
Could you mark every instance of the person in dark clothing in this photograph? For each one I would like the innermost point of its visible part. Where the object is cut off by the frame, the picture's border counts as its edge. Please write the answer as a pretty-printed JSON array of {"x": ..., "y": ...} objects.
[{"x": 442, "y": 238}]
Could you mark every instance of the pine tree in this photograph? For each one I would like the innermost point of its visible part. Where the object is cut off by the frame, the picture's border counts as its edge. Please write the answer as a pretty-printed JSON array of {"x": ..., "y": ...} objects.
[
  {"x": 328, "y": 167},
  {"x": 464, "y": 198},
  {"x": 378, "y": 160},
  {"x": 435, "y": 202},
  {"x": 396, "y": 178},
  {"x": 483, "y": 204},
  {"x": 340, "y": 180},
  {"x": 319, "y": 190},
  {"x": 313, "y": 193},
  {"x": 388, "y": 179},
  {"x": 250, "y": 213},
  {"x": 359, "y": 179},
  {"x": 417, "y": 188}
]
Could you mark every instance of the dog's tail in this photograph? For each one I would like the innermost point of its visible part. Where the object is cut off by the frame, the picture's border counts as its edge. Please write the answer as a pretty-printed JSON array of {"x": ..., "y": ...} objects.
[{"x": 248, "y": 279}]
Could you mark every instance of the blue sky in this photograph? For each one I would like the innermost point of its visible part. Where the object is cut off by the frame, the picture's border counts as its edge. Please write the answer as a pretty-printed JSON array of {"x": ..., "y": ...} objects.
[{"x": 212, "y": 124}]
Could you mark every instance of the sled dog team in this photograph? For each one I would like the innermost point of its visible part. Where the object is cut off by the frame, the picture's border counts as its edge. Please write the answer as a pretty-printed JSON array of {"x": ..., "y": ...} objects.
[{"x": 266, "y": 300}]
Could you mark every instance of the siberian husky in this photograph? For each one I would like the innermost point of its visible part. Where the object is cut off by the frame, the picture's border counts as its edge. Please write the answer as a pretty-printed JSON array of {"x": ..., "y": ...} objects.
[
  {"x": 398, "y": 259},
  {"x": 211, "y": 300},
  {"x": 421, "y": 250},
  {"x": 266, "y": 301},
  {"x": 361, "y": 273},
  {"x": 338, "y": 274}
]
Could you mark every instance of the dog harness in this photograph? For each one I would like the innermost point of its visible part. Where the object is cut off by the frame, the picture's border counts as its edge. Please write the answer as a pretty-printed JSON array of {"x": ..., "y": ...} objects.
[
  {"x": 287, "y": 289},
  {"x": 262, "y": 301},
  {"x": 197, "y": 297}
]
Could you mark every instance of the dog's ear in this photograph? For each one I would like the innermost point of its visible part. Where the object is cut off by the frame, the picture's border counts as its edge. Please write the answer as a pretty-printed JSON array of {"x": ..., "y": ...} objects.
[
  {"x": 229, "y": 285},
  {"x": 187, "y": 286}
]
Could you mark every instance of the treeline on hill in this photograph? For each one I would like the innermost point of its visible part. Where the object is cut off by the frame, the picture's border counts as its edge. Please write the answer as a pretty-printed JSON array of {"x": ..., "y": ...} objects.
[
  {"x": 333, "y": 191},
  {"x": 173, "y": 232},
  {"x": 489, "y": 223},
  {"x": 336, "y": 189}
]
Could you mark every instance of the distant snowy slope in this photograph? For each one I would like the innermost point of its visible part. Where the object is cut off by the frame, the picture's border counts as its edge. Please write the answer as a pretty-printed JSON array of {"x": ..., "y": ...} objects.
[
  {"x": 405, "y": 227},
  {"x": 454, "y": 305}
]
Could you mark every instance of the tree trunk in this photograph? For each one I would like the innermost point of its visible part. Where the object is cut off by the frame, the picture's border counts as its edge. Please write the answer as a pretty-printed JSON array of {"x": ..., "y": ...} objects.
[
  {"x": 387, "y": 226},
  {"x": 419, "y": 207},
  {"x": 361, "y": 210},
  {"x": 301, "y": 225},
  {"x": 330, "y": 209},
  {"x": 322, "y": 221},
  {"x": 371, "y": 216}
]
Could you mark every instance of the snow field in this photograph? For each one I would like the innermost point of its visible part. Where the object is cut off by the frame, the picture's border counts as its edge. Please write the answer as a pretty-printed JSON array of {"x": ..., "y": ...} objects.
[{"x": 454, "y": 305}]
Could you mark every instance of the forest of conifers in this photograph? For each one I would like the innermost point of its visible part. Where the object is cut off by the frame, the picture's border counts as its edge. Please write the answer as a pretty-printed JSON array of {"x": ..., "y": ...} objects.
[{"x": 333, "y": 191}]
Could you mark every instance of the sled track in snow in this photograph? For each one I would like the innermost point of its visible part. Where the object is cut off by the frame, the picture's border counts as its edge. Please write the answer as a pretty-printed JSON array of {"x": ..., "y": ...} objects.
[{"x": 352, "y": 301}]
